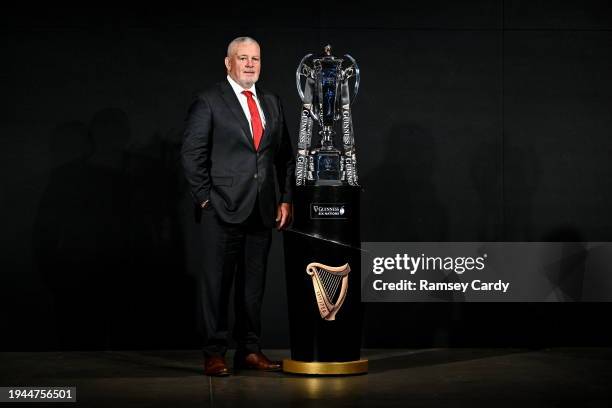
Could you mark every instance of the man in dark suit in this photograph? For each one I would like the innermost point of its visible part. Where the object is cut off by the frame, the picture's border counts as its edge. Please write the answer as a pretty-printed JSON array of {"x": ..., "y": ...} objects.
[{"x": 236, "y": 149}]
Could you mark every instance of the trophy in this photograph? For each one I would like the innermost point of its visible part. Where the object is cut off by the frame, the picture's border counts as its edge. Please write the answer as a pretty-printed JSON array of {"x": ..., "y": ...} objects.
[
  {"x": 326, "y": 99},
  {"x": 322, "y": 247}
]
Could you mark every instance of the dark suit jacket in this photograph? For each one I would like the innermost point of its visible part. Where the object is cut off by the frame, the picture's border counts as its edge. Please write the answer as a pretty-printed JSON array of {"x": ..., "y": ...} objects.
[{"x": 220, "y": 160}]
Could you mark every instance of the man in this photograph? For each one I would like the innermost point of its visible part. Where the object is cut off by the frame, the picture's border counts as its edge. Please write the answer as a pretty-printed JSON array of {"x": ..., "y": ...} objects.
[{"x": 235, "y": 140}]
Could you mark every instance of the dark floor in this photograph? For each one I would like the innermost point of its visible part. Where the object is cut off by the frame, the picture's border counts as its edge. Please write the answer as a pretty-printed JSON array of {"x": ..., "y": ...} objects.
[{"x": 576, "y": 377}]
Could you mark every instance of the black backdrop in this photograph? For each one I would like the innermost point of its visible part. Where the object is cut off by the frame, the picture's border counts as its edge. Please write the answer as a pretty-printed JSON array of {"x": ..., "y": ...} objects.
[{"x": 477, "y": 120}]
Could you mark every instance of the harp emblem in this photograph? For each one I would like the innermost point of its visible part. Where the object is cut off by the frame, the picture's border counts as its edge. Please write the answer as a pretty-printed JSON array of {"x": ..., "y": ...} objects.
[{"x": 330, "y": 284}]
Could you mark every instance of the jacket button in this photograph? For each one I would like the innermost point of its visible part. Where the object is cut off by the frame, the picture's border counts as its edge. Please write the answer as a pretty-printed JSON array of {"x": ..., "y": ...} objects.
[{"x": 255, "y": 176}]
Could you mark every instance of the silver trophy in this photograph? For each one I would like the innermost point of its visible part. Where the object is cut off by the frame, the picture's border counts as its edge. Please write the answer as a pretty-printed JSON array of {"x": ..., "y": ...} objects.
[{"x": 327, "y": 100}]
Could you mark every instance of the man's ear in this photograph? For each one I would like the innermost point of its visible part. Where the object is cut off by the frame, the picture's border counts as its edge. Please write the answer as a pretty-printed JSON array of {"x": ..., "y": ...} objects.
[{"x": 227, "y": 63}]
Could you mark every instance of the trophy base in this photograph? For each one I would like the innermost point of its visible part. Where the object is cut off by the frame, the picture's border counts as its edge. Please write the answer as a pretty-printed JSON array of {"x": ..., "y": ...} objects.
[
  {"x": 325, "y": 368},
  {"x": 329, "y": 183},
  {"x": 327, "y": 166}
]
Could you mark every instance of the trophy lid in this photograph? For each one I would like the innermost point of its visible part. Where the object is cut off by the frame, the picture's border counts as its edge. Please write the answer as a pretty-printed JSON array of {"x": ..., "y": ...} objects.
[{"x": 327, "y": 53}]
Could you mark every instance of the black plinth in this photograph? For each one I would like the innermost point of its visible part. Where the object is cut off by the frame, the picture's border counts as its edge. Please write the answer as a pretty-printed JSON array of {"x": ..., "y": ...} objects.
[{"x": 325, "y": 230}]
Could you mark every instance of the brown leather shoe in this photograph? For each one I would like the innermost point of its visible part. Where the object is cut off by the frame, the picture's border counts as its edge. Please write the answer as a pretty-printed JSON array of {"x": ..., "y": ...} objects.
[
  {"x": 215, "y": 366},
  {"x": 255, "y": 361}
]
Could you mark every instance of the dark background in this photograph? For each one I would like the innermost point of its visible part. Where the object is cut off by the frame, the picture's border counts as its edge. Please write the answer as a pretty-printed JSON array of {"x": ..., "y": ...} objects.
[{"x": 476, "y": 121}]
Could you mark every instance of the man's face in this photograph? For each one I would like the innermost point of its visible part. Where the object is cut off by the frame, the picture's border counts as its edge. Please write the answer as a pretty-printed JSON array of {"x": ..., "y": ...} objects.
[{"x": 244, "y": 64}]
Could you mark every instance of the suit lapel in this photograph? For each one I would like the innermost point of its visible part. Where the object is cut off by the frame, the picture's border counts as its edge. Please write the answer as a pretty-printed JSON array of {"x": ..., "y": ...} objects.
[
  {"x": 265, "y": 138},
  {"x": 232, "y": 101}
]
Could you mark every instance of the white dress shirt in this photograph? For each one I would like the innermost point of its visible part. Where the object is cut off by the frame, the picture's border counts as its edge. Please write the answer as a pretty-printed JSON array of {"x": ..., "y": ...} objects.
[{"x": 243, "y": 102}]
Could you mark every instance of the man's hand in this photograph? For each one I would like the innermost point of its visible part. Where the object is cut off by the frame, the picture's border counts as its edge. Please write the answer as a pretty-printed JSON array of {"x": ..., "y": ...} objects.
[{"x": 283, "y": 215}]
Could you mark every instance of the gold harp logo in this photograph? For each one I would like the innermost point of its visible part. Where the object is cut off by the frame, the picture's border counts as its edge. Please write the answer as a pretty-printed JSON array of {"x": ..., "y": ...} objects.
[{"x": 330, "y": 285}]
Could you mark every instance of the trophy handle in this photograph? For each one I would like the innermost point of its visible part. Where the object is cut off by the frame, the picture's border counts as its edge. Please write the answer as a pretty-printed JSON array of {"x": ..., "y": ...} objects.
[
  {"x": 357, "y": 76},
  {"x": 299, "y": 72},
  {"x": 304, "y": 70}
]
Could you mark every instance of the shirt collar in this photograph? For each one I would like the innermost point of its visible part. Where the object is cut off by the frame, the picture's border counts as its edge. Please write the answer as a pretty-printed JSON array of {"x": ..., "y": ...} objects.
[{"x": 238, "y": 88}]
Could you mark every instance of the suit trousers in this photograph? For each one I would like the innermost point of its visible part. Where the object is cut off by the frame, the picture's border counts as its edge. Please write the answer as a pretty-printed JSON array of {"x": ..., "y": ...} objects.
[{"x": 233, "y": 253}]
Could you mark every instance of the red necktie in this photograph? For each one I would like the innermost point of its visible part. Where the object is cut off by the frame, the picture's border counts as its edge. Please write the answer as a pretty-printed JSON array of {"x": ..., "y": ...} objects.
[{"x": 255, "y": 118}]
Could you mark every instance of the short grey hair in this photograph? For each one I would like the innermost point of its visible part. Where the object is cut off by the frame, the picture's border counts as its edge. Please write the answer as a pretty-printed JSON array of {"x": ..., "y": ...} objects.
[{"x": 237, "y": 41}]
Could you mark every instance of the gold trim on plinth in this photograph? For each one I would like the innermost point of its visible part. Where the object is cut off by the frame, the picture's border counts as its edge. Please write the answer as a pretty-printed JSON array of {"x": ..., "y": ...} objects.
[{"x": 325, "y": 368}]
